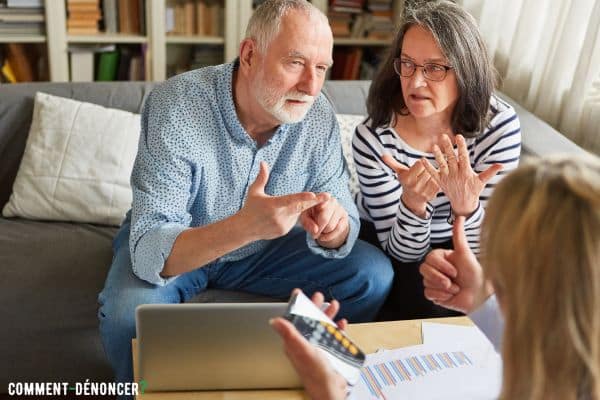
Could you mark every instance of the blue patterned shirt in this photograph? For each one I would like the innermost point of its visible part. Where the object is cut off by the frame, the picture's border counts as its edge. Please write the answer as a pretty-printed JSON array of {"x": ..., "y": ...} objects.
[{"x": 195, "y": 163}]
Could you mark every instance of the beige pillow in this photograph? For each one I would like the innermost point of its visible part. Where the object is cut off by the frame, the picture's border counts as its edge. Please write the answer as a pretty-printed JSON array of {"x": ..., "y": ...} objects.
[{"x": 77, "y": 163}]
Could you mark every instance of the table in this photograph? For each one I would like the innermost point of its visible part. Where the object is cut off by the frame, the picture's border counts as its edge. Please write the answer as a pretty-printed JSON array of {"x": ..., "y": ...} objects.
[{"x": 369, "y": 336}]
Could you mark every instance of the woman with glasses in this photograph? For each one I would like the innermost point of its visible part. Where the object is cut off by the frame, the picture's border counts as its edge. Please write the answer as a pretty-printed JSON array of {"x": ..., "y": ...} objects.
[{"x": 436, "y": 142}]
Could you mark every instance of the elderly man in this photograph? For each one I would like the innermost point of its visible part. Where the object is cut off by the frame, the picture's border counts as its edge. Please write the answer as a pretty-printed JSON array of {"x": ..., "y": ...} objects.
[{"x": 230, "y": 158}]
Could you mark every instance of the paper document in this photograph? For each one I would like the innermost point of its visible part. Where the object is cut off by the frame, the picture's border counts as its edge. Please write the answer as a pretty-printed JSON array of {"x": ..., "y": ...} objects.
[
  {"x": 455, "y": 362},
  {"x": 455, "y": 335}
]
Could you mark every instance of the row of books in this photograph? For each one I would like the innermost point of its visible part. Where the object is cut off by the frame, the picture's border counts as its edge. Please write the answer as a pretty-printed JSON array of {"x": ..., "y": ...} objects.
[
  {"x": 351, "y": 63},
  {"x": 89, "y": 17},
  {"x": 25, "y": 17},
  {"x": 189, "y": 58},
  {"x": 195, "y": 17},
  {"x": 125, "y": 16},
  {"x": 21, "y": 62},
  {"x": 379, "y": 23},
  {"x": 83, "y": 16},
  {"x": 107, "y": 63},
  {"x": 341, "y": 14},
  {"x": 371, "y": 19}
]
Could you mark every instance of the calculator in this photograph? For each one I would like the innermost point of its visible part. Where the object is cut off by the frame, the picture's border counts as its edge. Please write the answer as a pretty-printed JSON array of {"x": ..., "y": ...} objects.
[{"x": 329, "y": 338}]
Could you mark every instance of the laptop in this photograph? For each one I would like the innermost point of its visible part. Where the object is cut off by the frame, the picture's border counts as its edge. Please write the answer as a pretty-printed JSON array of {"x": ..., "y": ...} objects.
[{"x": 211, "y": 346}]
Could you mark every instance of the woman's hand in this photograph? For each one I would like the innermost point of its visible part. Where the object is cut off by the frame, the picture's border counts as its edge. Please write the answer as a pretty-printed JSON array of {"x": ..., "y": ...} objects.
[
  {"x": 454, "y": 278},
  {"x": 331, "y": 310},
  {"x": 456, "y": 178},
  {"x": 318, "y": 377},
  {"x": 418, "y": 187}
]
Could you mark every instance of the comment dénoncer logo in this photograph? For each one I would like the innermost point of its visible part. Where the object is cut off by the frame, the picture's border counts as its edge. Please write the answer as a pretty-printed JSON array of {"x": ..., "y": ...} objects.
[{"x": 85, "y": 388}]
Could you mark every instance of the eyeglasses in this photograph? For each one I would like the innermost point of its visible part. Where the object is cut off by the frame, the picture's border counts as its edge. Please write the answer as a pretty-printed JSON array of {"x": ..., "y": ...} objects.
[{"x": 431, "y": 71}]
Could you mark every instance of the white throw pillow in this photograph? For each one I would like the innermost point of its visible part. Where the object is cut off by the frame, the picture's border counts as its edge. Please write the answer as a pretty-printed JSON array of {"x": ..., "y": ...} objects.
[
  {"x": 348, "y": 123},
  {"x": 77, "y": 163}
]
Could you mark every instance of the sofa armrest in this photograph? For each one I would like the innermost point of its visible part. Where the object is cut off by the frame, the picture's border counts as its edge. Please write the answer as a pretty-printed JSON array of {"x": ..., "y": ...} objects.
[{"x": 538, "y": 138}]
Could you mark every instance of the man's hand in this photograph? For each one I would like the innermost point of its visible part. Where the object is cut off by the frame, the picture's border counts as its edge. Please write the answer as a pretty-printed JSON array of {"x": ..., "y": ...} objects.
[
  {"x": 327, "y": 222},
  {"x": 418, "y": 187},
  {"x": 270, "y": 217},
  {"x": 318, "y": 377},
  {"x": 454, "y": 278}
]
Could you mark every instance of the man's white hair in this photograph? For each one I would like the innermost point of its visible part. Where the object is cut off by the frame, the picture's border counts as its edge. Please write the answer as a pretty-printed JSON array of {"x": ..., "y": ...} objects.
[{"x": 265, "y": 22}]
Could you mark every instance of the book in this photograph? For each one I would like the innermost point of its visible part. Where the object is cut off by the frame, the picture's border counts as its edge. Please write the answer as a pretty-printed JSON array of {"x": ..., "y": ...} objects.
[
  {"x": 21, "y": 28},
  {"x": 108, "y": 64},
  {"x": 82, "y": 64},
  {"x": 20, "y": 64},
  {"x": 352, "y": 67},
  {"x": 213, "y": 18},
  {"x": 189, "y": 26},
  {"x": 82, "y": 7},
  {"x": 134, "y": 16},
  {"x": 123, "y": 12},
  {"x": 25, "y": 3},
  {"x": 19, "y": 15},
  {"x": 142, "y": 17},
  {"x": 200, "y": 11},
  {"x": 7, "y": 72},
  {"x": 208, "y": 21},
  {"x": 136, "y": 68},
  {"x": 81, "y": 23},
  {"x": 111, "y": 20},
  {"x": 124, "y": 63},
  {"x": 74, "y": 30},
  {"x": 81, "y": 59},
  {"x": 169, "y": 20}
]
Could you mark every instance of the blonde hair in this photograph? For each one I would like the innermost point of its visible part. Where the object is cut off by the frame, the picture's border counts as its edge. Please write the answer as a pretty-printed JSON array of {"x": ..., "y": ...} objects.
[{"x": 541, "y": 250}]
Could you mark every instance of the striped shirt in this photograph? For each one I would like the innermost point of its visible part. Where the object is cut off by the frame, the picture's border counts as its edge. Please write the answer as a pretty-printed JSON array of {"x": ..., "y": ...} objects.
[{"x": 402, "y": 234}]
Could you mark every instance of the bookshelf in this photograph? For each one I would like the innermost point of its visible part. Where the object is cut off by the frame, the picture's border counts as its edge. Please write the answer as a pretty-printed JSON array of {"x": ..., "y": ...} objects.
[
  {"x": 61, "y": 42},
  {"x": 57, "y": 41},
  {"x": 363, "y": 30},
  {"x": 356, "y": 53},
  {"x": 162, "y": 49},
  {"x": 23, "y": 54}
]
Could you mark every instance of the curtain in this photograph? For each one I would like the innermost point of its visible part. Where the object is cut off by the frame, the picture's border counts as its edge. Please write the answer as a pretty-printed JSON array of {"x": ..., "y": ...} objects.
[{"x": 547, "y": 53}]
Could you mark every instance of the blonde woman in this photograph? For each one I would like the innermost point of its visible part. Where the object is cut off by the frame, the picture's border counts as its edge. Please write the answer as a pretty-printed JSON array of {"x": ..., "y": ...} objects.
[{"x": 541, "y": 258}]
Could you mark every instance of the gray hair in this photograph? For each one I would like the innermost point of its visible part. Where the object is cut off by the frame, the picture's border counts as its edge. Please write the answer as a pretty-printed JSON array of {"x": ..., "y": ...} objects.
[
  {"x": 265, "y": 22},
  {"x": 457, "y": 35}
]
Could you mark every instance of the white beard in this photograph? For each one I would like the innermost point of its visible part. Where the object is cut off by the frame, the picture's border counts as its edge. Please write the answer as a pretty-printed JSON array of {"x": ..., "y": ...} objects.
[{"x": 275, "y": 103}]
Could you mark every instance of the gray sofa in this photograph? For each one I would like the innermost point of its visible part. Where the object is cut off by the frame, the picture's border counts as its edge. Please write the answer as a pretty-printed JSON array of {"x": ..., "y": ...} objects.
[{"x": 51, "y": 272}]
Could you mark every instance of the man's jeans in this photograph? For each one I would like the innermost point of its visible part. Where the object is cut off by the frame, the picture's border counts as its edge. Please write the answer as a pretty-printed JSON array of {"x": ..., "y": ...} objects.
[{"x": 360, "y": 282}]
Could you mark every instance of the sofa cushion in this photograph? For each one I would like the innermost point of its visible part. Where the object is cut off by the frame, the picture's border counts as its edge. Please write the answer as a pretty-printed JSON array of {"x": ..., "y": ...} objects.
[
  {"x": 52, "y": 273},
  {"x": 348, "y": 123},
  {"x": 77, "y": 163},
  {"x": 16, "y": 108}
]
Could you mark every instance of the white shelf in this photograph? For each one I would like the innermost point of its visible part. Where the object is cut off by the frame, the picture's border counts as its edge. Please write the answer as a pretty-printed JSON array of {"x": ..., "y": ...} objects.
[
  {"x": 195, "y": 39},
  {"x": 23, "y": 39},
  {"x": 105, "y": 38}
]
